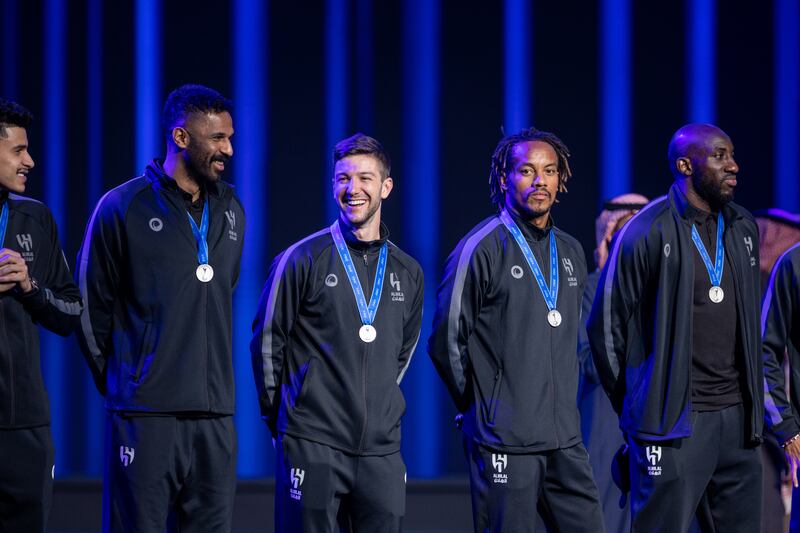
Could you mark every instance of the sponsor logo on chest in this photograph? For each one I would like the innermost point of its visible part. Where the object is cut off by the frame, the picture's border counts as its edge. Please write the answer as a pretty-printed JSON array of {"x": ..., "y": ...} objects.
[
  {"x": 231, "y": 216},
  {"x": 572, "y": 281},
  {"x": 397, "y": 293},
  {"x": 25, "y": 242},
  {"x": 499, "y": 464},
  {"x": 296, "y": 478}
]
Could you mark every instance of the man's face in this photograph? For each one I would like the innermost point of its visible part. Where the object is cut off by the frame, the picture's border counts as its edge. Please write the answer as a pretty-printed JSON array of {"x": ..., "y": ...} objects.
[
  {"x": 358, "y": 188},
  {"x": 714, "y": 169},
  {"x": 15, "y": 161},
  {"x": 531, "y": 183},
  {"x": 209, "y": 147}
]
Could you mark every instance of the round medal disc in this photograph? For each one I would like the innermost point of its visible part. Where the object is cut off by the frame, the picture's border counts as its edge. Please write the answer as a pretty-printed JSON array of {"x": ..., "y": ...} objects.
[
  {"x": 554, "y": 318},
  {"x": 367, "y": 333},
  {"x": 204, "y": 273},
  {"x": 716, "y": 294}
]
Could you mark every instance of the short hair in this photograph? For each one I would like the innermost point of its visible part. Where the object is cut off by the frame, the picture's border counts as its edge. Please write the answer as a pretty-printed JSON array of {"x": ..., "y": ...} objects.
[
  {"x": 360, "y": 144},
  {"x": 189, "y": 99},
  {"x": 501, "y": 160},
  {"x": 13, "y": 115}
]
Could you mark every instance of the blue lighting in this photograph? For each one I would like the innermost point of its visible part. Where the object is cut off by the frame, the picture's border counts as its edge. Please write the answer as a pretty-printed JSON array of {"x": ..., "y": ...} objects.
[
  {"x": 149, "y": 141},
  {"x": 422, "y": 430},
  {"x": 701, "y": 80},
  {"x": 54, "y": 163},
  {"x": 9, "y": 40},
  {"x": 94, "y": 412},
  {"x": 251, "y": 96},
  {"x": 518, "y": 60},
  {"x": 615, "y": 80},
  {"x": 786, "y": 193},
  {"x": 336, "y": 89}
]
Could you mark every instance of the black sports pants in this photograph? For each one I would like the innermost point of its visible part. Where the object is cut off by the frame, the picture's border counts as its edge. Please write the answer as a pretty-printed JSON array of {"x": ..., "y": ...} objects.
[
  {"x": 669, "y": 478},
  {"x": 26, "y": 478},
  {"x": 315, "y": 484},
  {"x": 165, "y": 473},
  {"x": 507, "y": 490}
]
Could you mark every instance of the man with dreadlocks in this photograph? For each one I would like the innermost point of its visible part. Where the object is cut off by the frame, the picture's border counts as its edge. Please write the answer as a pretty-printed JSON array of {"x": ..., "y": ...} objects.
[{"x": 505, "y": 340}]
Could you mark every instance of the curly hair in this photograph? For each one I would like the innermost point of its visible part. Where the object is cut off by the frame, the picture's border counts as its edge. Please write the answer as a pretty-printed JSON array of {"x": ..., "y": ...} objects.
[
  {"x": 13, "y": 115},
  {"x": 501, "y": 161}
]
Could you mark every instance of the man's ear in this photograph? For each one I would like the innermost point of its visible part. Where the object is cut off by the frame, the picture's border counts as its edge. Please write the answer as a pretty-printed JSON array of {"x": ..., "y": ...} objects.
[
  {"x": 180, "y": 137},
  {"x": 684, "y": 166},
  {"x": 386, "y": 187}
]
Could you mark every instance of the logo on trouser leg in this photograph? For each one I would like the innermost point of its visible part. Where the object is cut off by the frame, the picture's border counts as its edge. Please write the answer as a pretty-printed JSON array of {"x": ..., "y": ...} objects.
[
  {"x": 296, "y": 477},
  {"x": 499, "y": 463},
  {"x": 126, "y": 455},
  {"x": 653, "y": 454}
]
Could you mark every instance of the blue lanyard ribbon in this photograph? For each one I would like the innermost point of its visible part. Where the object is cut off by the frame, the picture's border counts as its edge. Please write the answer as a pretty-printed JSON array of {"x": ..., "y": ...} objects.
[
  {"x": 551, "y": 294},
  {"x": 367, "y": 312},
  {"x": 3, "y": 223},
  {"x": 715, "y": 270},
  {"x": 201, "y": 235}
]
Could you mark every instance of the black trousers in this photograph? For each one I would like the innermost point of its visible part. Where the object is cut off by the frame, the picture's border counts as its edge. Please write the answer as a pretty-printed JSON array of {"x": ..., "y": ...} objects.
[
  {"x": 507, "y": 490},
  {"x": 26, "y": 479},
  {"x": 669, "y": 478},
  {"x": 164, "y": 473},
  {"x": 317, "y": 486}
]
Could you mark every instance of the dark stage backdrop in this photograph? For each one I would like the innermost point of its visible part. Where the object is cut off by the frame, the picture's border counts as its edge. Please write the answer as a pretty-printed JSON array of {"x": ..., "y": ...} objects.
[{"x": 435, "y": 81}]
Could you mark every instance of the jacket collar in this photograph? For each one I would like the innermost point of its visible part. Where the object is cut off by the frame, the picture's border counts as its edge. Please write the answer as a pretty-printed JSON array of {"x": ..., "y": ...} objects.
[
  {"x": 366, "y": 246},
  {"x": 688, "y": 213},
  {"x": 155, "y": 172}
]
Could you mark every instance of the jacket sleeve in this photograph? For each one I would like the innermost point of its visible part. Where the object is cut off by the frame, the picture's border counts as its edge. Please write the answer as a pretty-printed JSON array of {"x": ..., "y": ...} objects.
[
  {"x": 779, "y": 328},
  {"x": 98, "y": 277},
  {"x": 458, "y": 304},
  {"x": 411, "y": 327},
  {"x": 586, "y": 365},
  {"x": 620, "y": 287},
  {"x": 272, "y": 326},
  {"x": 56, "y": 304}
]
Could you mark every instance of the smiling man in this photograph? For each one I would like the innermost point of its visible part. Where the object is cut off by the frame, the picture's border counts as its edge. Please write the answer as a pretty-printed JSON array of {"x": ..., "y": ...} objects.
[
  {"x": 157, "y": 269},
  {"x": 36, "y": 289},
  {"x": 505, "y": 341},
  {"x": 337, "y": 324},
  {"x": 675, "y": 336}
]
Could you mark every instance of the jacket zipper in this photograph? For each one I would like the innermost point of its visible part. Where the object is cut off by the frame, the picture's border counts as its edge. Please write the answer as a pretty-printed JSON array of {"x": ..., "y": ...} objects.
[
  {"x": 746, "y": 343},
  {"x": 364, "y": 362}
]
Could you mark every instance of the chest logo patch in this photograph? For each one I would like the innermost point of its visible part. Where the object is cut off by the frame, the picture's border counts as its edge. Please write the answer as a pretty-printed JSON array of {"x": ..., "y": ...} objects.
[
  {"x": 156, "y": 224},
  {"x": 516, "y": 272},
  {"x": 397, "y": 294},
  {"x": 231, "y": 216},
  {"x": 25, "y": 242},
  {"x": 331, "y": 280},
  {"x": 667, "y": 250},
  {"x": 572, "y": 281}
]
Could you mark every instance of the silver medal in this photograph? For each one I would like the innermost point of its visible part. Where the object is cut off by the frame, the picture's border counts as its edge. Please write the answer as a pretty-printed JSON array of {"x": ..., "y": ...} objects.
[
  {"x": 367, "y": 333},
  {"x": 204, "y": 272},
  {"x": 716, "y": 294},
  {"x": 554, "y": 318}
]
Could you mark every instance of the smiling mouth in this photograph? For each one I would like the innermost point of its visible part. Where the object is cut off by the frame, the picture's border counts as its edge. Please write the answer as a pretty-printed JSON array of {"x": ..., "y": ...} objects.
[{"x": 356, "y": 203}]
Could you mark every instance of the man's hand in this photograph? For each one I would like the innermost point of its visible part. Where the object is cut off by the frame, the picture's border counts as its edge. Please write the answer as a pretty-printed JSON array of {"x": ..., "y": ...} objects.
[
  {"x": 792, "y": 451},
  {"x": 13, "y": 271}
]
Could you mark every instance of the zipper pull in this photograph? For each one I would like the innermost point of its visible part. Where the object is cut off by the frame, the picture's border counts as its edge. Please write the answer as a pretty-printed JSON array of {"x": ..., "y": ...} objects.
[{"x": 365, "y": 259}]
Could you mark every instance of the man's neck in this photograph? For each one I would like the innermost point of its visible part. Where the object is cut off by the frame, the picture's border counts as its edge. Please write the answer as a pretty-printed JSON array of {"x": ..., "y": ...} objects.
[
  {"x": 174, "y": 168},
  {"x": 694, "y": 199},
  {"x": 367, "y": 232},
  {"x": 540, "y": 221}
]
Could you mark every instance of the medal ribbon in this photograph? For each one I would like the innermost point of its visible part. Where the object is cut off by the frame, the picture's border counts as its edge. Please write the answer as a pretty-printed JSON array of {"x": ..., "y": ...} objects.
[
  {"x": 201, "y": 235},
  {"x": 367, "y": 312},
  {"x": 551, "y": 294},
  {"x": 3, "y": 223},
  {"x": 715, "y": 270}
]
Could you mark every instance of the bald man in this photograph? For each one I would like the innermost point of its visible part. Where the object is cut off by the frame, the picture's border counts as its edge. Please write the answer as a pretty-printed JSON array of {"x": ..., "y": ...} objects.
[{"x": 675, "y": 336}]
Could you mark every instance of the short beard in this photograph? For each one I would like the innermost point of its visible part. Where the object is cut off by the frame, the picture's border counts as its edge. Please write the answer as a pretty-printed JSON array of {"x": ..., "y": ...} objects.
[{"x": 711, "y": 192}]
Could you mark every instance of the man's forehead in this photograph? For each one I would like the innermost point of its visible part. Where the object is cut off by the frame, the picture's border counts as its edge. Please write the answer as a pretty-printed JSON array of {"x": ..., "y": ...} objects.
[
  {"x": 210, "y": 120},
  {"x": 522, "y": 151},
  {"x": 362, "y": 163}
]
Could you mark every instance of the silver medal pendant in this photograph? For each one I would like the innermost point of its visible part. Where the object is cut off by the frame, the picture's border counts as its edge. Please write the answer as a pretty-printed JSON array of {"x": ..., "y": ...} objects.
[
  {"x": 204, "y": 273},
  {"x": 716, "y": 294},
  {"x": 367, "y": 333},
  {"x": 554, "y": 318}
]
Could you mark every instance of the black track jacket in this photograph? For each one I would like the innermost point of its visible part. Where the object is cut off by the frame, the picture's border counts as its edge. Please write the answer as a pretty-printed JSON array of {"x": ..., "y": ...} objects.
[
  {"x": 55, "y": 305},
  {"x": 512, "y": 375},
  {"x": 156, "y": 338},
  {"x": 640, "y": 327},
  {"x": 780, "y": 331},
  {"x": 316, "y": 378}
]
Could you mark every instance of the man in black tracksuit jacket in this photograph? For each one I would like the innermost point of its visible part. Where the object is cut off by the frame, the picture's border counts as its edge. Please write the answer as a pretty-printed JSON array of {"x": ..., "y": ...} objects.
[
  {"x": 329, "y": 387},
  {"x": 513, "y": 373},
  {"x": 36, "y": 289},
  {"x": 156, "y": 331},
  {"x": 682, "y": 366}
]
